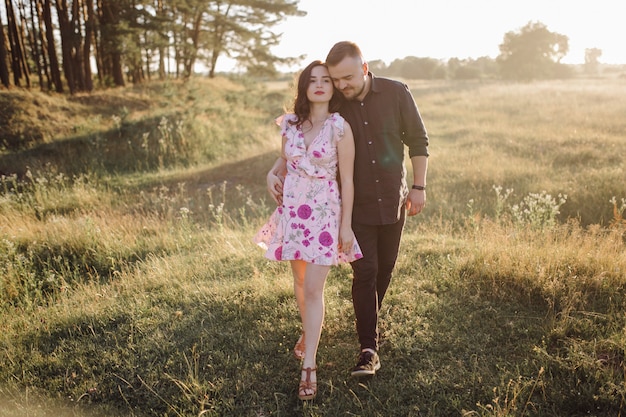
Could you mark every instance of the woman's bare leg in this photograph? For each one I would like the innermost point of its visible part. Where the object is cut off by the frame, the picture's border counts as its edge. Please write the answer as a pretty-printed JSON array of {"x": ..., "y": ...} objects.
[
  {"x": 298, "y": 268},
  {"x": 314, "y": 282}
]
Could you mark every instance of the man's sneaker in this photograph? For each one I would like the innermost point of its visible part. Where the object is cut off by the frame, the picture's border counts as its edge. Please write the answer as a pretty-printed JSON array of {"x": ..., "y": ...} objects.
[{"x": 368, "y": 364}]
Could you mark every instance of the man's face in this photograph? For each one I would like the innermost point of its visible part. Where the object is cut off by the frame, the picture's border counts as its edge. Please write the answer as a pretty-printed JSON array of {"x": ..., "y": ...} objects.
[{"x": 349, "y": 77}]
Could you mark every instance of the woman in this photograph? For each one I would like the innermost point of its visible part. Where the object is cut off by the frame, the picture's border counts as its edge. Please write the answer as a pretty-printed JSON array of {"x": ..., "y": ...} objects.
[{"x": 312, "y": 225}]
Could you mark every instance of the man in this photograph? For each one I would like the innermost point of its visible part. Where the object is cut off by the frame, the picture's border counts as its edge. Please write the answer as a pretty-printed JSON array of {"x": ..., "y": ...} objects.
[{"x": 384, "y": 119}]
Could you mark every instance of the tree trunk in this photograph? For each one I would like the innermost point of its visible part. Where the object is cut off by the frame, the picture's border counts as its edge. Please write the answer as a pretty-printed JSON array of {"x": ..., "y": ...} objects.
[
  {"x": 41, "y": 40},
  {"x": 110, "y": 48},
  {"x": 18, "y": 59},
  {"x": 33, "y": 41},
  {"x": 177, "y": 53},
  {"x": 215, "y": 51},
  {"x": 4, "y": 68},
  {"x": 97, "y": 42},
  {"x": 89, "y": 33},
  {"x": 218, "y": 39},
  {"x": 118, "y": 73},
  {"x": 66, "y": 44},
  {"x": 21, "y": 39},
  {"x": 161, "y": 14},
  {"x": 76, "y": 46},
  {"x": 55, "y": 72},
  {"x": 191, "y": 53}
]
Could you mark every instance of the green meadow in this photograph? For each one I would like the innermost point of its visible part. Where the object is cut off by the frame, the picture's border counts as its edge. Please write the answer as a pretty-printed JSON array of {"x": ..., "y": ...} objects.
[{"x": 130, "y": 285}]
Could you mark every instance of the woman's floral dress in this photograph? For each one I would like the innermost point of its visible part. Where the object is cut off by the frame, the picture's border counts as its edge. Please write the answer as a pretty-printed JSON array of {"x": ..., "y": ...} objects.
[{"x": 306, "y": 225}]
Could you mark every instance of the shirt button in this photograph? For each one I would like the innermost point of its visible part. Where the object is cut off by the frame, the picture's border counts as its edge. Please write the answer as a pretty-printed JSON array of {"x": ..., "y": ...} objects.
[
  {"x": 373, "y": 161},
  {"x": 380, "y": 199},
  {"x": 369, "y": 143},
  {"x": 366, "y": 123}
]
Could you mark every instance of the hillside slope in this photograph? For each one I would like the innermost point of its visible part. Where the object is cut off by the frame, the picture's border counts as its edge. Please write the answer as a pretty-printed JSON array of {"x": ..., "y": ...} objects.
[{"x": 148, "y": 126}]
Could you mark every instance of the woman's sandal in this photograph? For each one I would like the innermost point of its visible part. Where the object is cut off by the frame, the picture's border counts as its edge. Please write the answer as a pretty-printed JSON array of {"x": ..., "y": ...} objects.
[
  {"x": 298, "y": 349},
  {"x": 307, "y": 386}
]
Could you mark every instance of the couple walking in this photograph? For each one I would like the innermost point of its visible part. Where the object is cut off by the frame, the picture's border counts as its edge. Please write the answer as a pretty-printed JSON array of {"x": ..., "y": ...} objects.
[{"x": 342, "y": 195}]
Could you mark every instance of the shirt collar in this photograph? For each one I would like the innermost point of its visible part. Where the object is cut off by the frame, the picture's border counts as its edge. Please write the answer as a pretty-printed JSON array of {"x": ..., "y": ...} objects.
[{"x": 374, "y": 86}]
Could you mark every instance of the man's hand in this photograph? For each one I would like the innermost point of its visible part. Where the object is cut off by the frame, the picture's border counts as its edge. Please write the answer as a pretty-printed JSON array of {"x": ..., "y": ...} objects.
[
  {"x": 275, "y": 187},
  {"x": 275, "y": 179},
  {"x": 415, "y": 202}
]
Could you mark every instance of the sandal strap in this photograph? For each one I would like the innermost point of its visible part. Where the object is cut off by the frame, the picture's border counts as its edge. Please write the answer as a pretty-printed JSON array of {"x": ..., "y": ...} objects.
[
  {"x": 306, "y": 383},
  {"x": 299, "y": 349}
]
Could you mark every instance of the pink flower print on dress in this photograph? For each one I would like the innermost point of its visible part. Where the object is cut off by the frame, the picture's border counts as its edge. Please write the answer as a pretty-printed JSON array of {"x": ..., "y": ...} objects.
[
  {"x": 317, "y": 154},
  {"x": 304, "y": 211},
  {"x": 278, "y": 253},
  {"x": 326, "y": 239}
]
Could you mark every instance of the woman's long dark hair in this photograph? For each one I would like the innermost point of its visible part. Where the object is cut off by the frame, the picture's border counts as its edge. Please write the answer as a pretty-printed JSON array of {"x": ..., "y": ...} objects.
[{"x": 301, "y": 105}]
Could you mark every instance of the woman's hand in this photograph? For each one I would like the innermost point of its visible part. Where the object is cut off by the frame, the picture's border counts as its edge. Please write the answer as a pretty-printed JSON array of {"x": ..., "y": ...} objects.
[{"x": 346, "y": 239}]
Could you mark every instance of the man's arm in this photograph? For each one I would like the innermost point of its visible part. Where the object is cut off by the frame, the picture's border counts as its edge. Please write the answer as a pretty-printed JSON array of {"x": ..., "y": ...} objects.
[
  {"x": 417, "y": 198},
  {"x": 275, "y": 178}
]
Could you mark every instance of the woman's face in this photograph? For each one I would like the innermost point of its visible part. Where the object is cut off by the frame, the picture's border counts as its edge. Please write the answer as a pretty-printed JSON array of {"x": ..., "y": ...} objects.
[{"x": 320, "y": 87}]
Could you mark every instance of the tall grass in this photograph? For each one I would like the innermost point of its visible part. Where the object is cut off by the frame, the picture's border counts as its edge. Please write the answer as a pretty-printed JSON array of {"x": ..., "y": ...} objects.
[
  {"x": 132, "y": 288},
  {"x": 557, "y": 137}
]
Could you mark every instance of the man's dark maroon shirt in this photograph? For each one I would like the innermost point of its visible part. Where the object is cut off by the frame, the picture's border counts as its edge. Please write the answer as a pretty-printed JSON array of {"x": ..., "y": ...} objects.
[{"x": 383, "y": 123}]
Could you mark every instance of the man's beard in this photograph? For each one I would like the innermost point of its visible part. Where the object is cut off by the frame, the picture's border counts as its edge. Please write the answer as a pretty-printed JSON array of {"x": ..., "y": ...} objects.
[{"x": 355, "y": 96}]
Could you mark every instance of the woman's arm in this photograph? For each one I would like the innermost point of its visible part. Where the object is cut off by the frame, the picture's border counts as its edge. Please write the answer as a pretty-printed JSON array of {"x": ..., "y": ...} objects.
[{"x": 345, "y": 157}]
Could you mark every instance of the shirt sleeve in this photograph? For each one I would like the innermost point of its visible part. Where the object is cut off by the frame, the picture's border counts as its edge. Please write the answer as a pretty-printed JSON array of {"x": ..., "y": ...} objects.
[{"x": 415, "y": 135}]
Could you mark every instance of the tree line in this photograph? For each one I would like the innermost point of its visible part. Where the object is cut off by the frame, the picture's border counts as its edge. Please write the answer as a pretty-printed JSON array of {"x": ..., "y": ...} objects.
[
  {"x": 58, "y": 42},
  {"x": 532, "y": 52}
]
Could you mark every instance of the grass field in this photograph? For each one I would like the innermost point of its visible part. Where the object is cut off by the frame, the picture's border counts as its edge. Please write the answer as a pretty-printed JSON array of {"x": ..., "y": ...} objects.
[{"x": 130, "y": 285}]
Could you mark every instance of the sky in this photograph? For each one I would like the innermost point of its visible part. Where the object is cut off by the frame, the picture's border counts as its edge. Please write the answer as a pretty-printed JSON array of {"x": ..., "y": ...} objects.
[{"x": 443, "y": 29}]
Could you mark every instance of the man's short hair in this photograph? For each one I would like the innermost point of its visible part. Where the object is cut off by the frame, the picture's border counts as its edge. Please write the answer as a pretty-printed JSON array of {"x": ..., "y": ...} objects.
[{"x": 341, "y": 50}]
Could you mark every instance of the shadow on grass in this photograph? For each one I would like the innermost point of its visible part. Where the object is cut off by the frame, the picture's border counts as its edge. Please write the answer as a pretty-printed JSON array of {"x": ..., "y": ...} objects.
[
  {"x": 242, "y": 172},
  {"x": 171, "y": 351},
  {"x": 223, "y": 353},
  {"x": 133, "y": 146}
]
